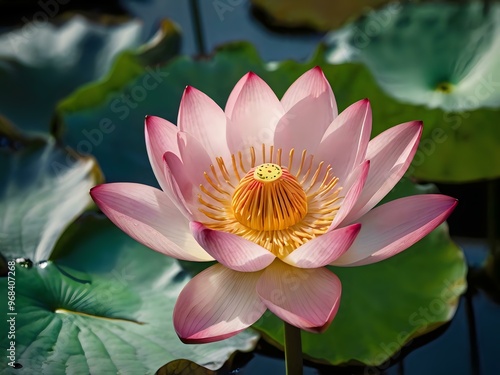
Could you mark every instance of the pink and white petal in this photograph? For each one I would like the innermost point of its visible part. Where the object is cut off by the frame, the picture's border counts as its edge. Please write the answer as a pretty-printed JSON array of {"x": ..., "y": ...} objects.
[
  {"x": 149, "y": 216},
  {"x": 179, "y": 188},
  {"x": 345, "y": 141},
  {"x": 353, "y": 187},
  {"x": 312, "y": 83},
  {"x": 390, "y": 155},
  {"x": 393, "y": 227},
  {"x": 231, "y": 250},
  {"x": 201, "y": 117},
  {"x": 303, "y": 126},
  {"x": 194, "y": 157},
  {"x": 254, "y": 117},
  {"x": 216, "y": 304},
  {"x": 161, "y": 136},
  {"x": 233, "y": 96},
  {"x": 324, "y": 249},
  {"x": 305, "y": 298}
]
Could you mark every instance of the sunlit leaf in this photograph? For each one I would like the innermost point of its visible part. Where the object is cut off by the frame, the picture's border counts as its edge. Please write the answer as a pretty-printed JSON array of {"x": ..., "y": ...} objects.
[
  {"x": 440, "y": 55},
  {"x": 40, "y": 63},
  {"x": 43, "y": 188}
]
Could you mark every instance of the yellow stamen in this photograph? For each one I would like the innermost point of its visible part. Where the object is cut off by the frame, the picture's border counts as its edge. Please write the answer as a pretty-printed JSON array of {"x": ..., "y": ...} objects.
[
  {"x": 270, "y": 206},
  {"x": 269, "y": 198}
]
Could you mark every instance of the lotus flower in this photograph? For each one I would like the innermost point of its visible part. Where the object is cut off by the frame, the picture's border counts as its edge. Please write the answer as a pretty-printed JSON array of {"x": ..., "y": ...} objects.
[{"x": 274, "y": 191}]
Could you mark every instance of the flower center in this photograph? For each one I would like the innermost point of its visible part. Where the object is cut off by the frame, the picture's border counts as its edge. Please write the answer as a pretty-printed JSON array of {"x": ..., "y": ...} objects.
[
  {"x": 278, "y": 204},
  {"x": 269, "y": 198}
]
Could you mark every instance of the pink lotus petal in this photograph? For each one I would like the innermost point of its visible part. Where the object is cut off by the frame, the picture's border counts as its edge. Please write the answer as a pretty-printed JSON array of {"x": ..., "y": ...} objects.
[
  {"x": 231, "y": 250},
  {"x": 256, "y": 112},
  {"x": 395, "y": 226},
  {"x": 351, "y": 192},
  {"x": 305, "y": 298},
  {"x": 216, "y": 304},
  {"x": 303, "y": 126},
  {"x": 194, "y": 157},
  {"x": 147, "y": 215},
  {"x": 310, "y": 108},
  {"x": 390, "y": 154},
  {"x": 161, "y": 136},
  {"x": 233, "y": 96},
  {"x": 324, "y": 249},
  {"x": 179, "y": 188},
  {"x": 345, "y": 141},
  {"x": 312, "y": 83},
  {"x": 201, "y": 117}
]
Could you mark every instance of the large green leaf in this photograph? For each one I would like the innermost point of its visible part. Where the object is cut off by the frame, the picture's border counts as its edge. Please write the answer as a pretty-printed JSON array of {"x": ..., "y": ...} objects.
[
  {"x": 43, "y": 188},
  {"x": 440, "y": 55},
  {"x": 104, "y": 305},
  {"x": 455, "y": 146},
  {"x": 387, "y": 304},
  {"x": 41, "y": 63}
]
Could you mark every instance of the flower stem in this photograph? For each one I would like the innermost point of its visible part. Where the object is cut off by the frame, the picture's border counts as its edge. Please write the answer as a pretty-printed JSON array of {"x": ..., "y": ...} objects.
[{"x": 293, "y": 350}]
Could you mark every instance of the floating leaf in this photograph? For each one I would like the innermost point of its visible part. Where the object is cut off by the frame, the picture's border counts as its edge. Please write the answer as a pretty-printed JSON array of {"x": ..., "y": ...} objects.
[
  {"x": 103, "y": 305},
  {"x": 440, "y": 55},
  {"x": 41, "y": 63},
  {"x": 385, "y": 305},
  {"x": 316, "y": 14},
  {"x": 43, "y": 188},
  {"x": 183, "y": 367},
  {"x": 128, "y": 65}
]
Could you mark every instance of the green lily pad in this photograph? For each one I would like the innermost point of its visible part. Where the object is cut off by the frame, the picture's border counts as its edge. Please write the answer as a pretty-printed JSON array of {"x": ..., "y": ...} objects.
[
  {"x": 439, "y": 55},
  {"x": 42, "y": 63},
  {"x": 42, "y": 189},
  {"x": 386, "y": 305},
  {"x": 452, "y": 147},
  {"x": 316, "y": 14},
  {"x": 103, "y": 305}
]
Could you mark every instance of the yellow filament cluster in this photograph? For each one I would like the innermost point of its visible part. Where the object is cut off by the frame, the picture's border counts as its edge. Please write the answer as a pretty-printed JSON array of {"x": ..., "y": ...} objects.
[
  {"x": 269, "y": 198},
  {"x": 267, "y": 203}
]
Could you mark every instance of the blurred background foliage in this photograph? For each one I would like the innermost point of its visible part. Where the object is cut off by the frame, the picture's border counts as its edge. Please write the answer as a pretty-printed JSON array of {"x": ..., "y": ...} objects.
[{"x": 78, "y": 77}]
